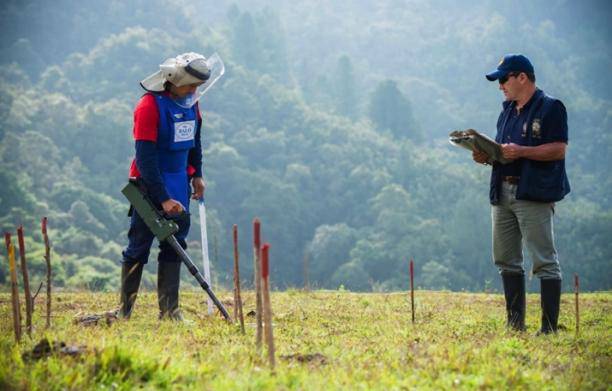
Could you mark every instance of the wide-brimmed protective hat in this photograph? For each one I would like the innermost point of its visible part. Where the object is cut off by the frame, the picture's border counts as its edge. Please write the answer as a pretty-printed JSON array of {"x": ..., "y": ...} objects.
[{"x": 186, "y": 69}]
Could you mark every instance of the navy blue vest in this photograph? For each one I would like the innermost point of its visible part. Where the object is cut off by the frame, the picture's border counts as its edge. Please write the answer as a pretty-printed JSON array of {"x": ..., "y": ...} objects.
[
  {"x": 176, "y": 136},
  {"x": 539, "y": 181}
]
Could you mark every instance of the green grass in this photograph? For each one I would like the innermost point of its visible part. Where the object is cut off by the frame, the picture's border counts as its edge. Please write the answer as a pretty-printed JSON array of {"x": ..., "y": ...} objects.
[{"x": 459, "y": 341}]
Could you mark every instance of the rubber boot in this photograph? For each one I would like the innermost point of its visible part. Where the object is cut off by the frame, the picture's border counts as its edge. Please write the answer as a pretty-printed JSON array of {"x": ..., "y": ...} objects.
[
  {"x": 168, "y": 282},
  {"x": 131, "y": 273},
  {"x": 550, "y": 299},
  {"x": 514, "y": 292}
]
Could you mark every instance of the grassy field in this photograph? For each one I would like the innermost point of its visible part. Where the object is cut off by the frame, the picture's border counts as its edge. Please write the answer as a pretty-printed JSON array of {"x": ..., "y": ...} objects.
[{"x": 354, "y": 341}]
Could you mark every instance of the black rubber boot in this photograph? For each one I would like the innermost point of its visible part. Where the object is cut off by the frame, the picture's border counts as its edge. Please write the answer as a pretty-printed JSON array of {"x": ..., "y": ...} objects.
[
  {"x": 131, "y": 273},
  {"x": 168, "y": 282},
  {"x": 550, "y": 299},
  {"x": 514, "y": 292}
]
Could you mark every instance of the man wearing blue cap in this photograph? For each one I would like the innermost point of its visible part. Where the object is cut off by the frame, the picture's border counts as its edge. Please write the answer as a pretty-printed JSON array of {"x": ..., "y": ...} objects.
[{"x": 532, "y": 129}]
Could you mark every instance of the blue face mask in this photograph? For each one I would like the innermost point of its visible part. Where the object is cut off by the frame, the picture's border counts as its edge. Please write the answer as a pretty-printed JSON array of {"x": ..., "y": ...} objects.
[{"x": 187, "y": 101}]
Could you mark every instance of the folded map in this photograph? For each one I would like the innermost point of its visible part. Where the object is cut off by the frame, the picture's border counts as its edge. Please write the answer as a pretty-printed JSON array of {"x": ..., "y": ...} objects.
[{"x": 473, "y": 140}]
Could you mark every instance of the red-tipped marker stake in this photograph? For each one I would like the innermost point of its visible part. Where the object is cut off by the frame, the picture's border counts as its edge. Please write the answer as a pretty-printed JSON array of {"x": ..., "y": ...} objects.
[
  {"x": 577, "y": 289},
  {"x": 26, "y": 280},
  {"x": 237, "y": 297},
  {"x": 14, "y": 289},
  {"x": 265, "y": 274},
  {"x": 412, "y": 287},
  {"x": 265, "y": 263},
  {"x": 257, "y": 280},
  {"x": 43, "y": 225}
]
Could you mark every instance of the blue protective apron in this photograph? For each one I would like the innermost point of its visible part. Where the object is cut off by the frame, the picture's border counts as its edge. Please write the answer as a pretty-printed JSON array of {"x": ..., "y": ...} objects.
[{"x": 175, "y": 137}]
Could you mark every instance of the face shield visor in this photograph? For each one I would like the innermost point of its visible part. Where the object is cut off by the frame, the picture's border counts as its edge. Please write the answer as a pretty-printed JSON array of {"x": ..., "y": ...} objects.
[
  {"x": 216, "y": 69},
  {"x": 184, "y": 70}
]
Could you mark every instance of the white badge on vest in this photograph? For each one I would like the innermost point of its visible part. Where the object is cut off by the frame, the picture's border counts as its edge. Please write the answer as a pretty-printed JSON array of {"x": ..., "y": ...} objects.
[{"x": 184, "y": 131}]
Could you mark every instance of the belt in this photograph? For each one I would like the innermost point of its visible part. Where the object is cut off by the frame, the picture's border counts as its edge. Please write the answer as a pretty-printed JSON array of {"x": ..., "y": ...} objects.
[{"x": 513, "y": 180}]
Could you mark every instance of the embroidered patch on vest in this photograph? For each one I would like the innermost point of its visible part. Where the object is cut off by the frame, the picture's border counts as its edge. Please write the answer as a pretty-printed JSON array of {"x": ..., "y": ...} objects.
[
  {"x": 184, "y": 131},
  {"x": 536, "y": 128}
]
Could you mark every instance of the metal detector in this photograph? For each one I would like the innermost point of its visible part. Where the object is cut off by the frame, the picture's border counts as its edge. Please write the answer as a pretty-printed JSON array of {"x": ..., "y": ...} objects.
[{"x": 164, "y": 229}]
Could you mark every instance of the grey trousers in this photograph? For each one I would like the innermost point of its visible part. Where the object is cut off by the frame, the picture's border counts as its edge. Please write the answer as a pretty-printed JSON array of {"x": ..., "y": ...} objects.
[{"x": 518, "y": 223}]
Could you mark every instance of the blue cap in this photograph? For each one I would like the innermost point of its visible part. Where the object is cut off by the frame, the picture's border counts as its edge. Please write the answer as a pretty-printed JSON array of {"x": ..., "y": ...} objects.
[{"x": 510, "y": 63}]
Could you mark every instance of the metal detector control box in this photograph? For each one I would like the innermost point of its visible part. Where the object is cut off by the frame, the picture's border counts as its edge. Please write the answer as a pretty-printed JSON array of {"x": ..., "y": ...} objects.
[{"x": 161, "y": 227}]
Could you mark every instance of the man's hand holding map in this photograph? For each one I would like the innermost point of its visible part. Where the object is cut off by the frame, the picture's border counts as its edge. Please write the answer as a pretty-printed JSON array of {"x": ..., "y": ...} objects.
[{"x": 472, "y": 140}]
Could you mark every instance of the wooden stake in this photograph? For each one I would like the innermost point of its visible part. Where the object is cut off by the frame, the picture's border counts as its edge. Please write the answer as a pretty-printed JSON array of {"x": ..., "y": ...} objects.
[
  {"x": 576, "y": 290},
  {"x": 48, "y": 261},
  {"x": 257, "y": 280},
  {"x": 236, "y": 277},
  {"x": 14, "y": 289},
  {"x": 265, "y": 274},
  {"x": 237, "y": 297},
  {"x": 26, "y": 280},
  {"x": 412, "y": 287}
]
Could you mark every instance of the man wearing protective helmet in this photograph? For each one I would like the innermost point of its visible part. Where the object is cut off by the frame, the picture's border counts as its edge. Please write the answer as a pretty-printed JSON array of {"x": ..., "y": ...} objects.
[{"x": 166, "y": 131}]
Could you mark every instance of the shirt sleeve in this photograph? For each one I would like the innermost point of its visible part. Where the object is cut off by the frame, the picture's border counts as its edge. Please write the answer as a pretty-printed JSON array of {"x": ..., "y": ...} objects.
[
  {"x": 146, "y": 119},
  {"x": 147, "y": 163},
  {"x": 195, "y": 153},
  {"x": 555, "y": 123}
]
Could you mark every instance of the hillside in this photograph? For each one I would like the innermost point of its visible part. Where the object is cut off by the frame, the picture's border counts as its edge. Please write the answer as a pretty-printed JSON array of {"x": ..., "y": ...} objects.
[{"x": 330, "y": 125}]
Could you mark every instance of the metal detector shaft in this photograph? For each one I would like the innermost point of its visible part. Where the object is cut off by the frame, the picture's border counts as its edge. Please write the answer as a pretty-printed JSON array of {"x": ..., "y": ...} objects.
[{"x": 196, "y": 273}]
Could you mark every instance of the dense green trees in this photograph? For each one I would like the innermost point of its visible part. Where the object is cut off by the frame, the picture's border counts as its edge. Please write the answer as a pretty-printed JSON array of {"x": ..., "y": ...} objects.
[
  {"x": 390, "y": 110},
  {"x": 337, "y": 145},
  {"x": 345, "y": 88}
]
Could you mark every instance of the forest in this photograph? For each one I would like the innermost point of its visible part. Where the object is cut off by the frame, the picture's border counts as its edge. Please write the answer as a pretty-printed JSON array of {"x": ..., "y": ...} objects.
[{"x": 330, "y": 125}]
